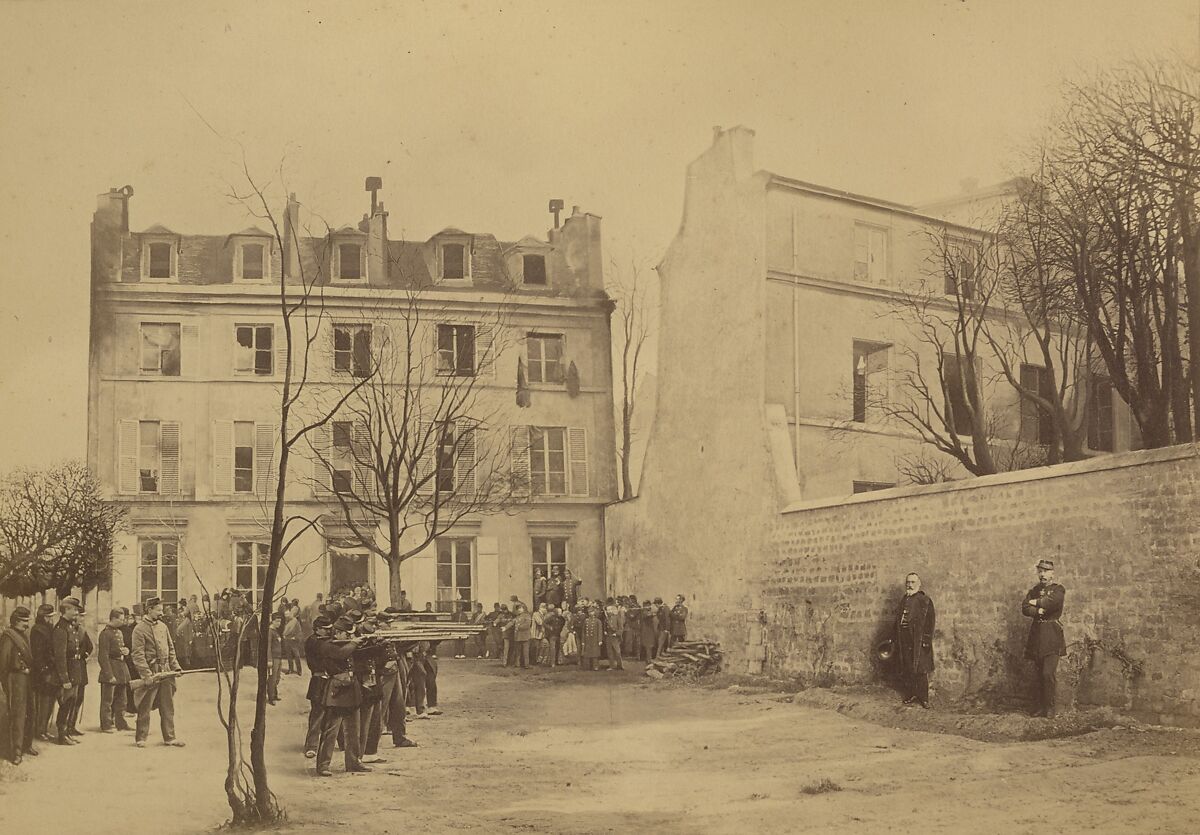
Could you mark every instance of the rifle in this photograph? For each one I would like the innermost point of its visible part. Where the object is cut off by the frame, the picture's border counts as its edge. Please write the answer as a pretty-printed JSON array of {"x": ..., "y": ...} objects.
[{"x": 139, "y": 684}]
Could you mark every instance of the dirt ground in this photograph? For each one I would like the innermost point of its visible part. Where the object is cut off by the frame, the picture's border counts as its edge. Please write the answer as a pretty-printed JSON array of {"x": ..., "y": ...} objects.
[{"x": 574, "y": 752}]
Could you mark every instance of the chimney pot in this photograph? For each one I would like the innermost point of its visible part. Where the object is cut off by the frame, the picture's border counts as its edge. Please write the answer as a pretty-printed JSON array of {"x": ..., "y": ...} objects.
[
  {"x": 717, "y": 130},
  {"x": 575, "y": 211}
]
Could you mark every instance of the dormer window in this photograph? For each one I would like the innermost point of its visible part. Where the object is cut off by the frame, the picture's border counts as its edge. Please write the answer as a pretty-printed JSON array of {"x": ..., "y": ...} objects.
[
  {"x": 454, "y": 261},
  {"x": 253, "y": 262},
  {"x": 533, "y": 269},
  {"x": 349, "y": 266},
  {"x": 160, "y": 260}
]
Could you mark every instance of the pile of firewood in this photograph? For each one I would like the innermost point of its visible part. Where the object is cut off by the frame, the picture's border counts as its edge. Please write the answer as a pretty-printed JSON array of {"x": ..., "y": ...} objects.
[{"x": 687, "y": 658}]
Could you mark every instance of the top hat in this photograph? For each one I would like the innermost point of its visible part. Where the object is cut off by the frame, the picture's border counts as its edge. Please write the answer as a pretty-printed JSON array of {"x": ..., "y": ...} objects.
[{"x": 1046, "y": 564}]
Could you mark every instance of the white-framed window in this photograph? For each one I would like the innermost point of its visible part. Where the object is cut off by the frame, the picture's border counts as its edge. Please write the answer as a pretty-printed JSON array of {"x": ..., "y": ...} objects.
[
  {"x": 341, "y": 459},
  {"x": 148, "y": 456},
  {"x": 548, "y": 460},
  {"x": 1101, "y": 426},
  {"x": 962, "y": 261},
  {"x": 349, "y": 261},
  {"x": 533, "y": 269},
  {"x": 160, "y": 352},
  {"x": 1037, "y": 424},
  {"x": 549, "y": 556},
  {"x": 160, "y": 258},
  {"x": 253, "y": 261},
  {"x": 552, "y": 460},
  {"x": 243, "y": 456},
  {"x": 870, "y": 376},
  {"x": 250, "y": 560},
  {"x": 870, "y": 253},
  {"x": 158, "y": 570},
  {"x": 352, "y": 349},
  {"x": 455, "y": 578},
  {"x": 456, "y": 350},
  {"x": 253, "y": 347},
  {"x": 544, "y": 357}
]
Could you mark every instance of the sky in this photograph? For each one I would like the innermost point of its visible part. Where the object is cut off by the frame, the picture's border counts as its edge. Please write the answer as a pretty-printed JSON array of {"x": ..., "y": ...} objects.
[{"x": 476, "y": 114}]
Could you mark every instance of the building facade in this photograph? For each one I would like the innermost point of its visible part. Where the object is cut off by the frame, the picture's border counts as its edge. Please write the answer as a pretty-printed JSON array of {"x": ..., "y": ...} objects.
[
  {"x": 783, "y": 329},
  {"x": 187, "y": 362}
]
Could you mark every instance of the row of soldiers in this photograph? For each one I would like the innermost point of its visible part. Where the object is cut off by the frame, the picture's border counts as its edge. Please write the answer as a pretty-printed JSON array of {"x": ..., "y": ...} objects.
[{"x": 360, "y": 686}]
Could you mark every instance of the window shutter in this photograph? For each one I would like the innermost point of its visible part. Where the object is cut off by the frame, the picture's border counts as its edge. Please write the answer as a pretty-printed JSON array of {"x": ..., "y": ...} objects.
[
  {"x": 222, "y": 456},
  {"x": 189, "y": 349},
  {"x": 169, "y": 482},
  {"x": 264, "y": 458},
  {"x": 127, "y": 456},
  {"x": 279, "y": 350},
  {"x": 428, "y": 437},
  {"x": 485, "y": 345},
  {"x": 577, "y": 454},
  {"x": 364, "y": 477},
  {"x": 520, "y": 460},
  {"x": 322, "y": 474},
  {"x": 464, "y": 461}
]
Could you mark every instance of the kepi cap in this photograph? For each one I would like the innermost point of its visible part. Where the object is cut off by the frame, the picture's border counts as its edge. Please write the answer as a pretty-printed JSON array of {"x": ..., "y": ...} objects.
[{"x": 1046, "y": 564}]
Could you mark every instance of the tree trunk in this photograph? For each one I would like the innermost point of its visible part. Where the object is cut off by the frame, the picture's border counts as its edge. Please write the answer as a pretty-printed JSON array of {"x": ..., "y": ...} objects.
[
  {"x": 1191, "y": 284},
  {"x": 626, "y": 453},
  {"x": 394, "y": 579}
]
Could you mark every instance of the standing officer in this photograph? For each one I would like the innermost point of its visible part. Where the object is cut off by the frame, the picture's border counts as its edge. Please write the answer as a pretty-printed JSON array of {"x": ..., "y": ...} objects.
[
  {"x": 914, "y": 642},
  {"x": 45, "y": 688},
  {"x": 1046, "y": 644},
  {"x": 16, "y": 667},
  {"x": 153, "y": 654},
  {"x": 114, "y": 674},
  {"x": 67, "y": 671}
]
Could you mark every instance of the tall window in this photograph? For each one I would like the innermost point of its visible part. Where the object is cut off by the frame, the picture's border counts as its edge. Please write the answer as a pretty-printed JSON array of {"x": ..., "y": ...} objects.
[
  {"x": 159, "y": 260},
  {"x": 534, "y": 269},
  {"x": 253, "y": 351},
  {"x": 158, "y": 570},
  {"x": 454, "y": 261},
  {"x": 342, "y": 463},
  {"x": 454, "y": 587},
  {"x": 1100, "y": 414},
  {"x": 444, "y": 436},
  {"x": 352, "y": 349},
  {"x": 545, "y": 357},
  {"x": 1037, "y": 424},
  {"x": 961, "y": 262},
  {"x": 548, "y": 460},
  {"x": 250, "y": 566},
  {"x": 870, "y": 379},
  {"x": 549, "y": 555},
  {"x": 456, "y": 350},
  {"x": 349, "y": 262},
  {"x": 160, "y": 348},
  {"x": 957, "y": 408},
  {"x": 253, "y": 261},
  {"x": 149, "y": 455},
  {"x": 870, "y": 254},
  {"x": 243, "y": 456}
]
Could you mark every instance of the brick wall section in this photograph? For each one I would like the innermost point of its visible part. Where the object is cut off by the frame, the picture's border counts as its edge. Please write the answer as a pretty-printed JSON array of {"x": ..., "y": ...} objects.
[{"x": 1124, "y": 531}]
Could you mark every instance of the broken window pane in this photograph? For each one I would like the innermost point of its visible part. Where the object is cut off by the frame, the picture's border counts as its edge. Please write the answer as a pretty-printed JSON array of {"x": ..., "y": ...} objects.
[{"x": 160, "y": 349}]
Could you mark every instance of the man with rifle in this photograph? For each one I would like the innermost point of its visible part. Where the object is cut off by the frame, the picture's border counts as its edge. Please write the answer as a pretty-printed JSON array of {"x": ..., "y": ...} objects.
[
  {"x": 322, "y": 631},
  {"x": 153, "y": 654},
  {"x": 343, "y": 696}
]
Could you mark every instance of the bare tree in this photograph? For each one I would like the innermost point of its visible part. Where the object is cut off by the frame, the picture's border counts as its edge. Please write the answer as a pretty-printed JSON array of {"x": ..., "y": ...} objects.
[
  {"x": 56, "y": 532},
  {"x": 633, "y": 309},
  {"x": 420, "y": 445}
]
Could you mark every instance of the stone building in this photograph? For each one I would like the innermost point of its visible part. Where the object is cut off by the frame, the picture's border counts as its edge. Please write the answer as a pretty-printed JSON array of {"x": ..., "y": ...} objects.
[
  {"x": 187, "y": 357},
  {"x": 781, "y": 330}
]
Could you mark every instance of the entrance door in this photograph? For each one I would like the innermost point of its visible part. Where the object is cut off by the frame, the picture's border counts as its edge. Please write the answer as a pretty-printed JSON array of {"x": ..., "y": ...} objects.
[{"x": 347, "y": 569}]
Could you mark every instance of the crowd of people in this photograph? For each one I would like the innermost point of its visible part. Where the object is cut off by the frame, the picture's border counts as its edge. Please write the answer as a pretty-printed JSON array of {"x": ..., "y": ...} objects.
[{"x": 44, "y": 675}]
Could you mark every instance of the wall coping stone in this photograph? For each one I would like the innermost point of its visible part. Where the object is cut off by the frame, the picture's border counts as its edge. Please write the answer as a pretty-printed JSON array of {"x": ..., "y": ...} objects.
[{"x": 1098, "y": 463}]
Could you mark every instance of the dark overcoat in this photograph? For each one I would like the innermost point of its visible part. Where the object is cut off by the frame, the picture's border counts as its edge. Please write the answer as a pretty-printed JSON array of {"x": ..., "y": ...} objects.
[
  {"x": 916, "y": 655},
  {"x": 1045, "y": 633},
  {"x": 337, "y": 658},
  {"x": 112, "y": 661}
]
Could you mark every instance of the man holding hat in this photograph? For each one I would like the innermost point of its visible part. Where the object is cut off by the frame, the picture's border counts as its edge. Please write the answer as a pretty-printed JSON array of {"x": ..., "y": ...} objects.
[
  {"x": 154, "y": 658},
  {"x": 16, "y": 667},
  {"x": 1046, "y": 644},
  {"x": 914, "y": 641},
  {"x": 68, "y": 656}
]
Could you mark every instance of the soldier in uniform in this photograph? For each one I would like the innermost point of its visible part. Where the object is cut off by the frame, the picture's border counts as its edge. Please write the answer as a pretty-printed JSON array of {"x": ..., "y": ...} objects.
[
  {"x": 114, "y": 674},
  {"x": 914, "y": 642},
  {"x": 679, "y": 616},
  {"x": 342, "y": 698},
  {"x": 153, "y": 654},
  {"x": 367, "y": 660},
  {"x": 16, "y": 669},
  {"x": 316, "y": 685},
  {"x": 393, "y": 686},
  {"x": 45, "y": 690},
  {"x": 67, "y": 672},
  {"x": 1046, "y": 644}
]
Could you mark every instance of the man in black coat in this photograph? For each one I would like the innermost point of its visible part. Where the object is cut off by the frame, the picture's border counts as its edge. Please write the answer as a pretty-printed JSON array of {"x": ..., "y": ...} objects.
[
  {"x": 316, "y": 685},
  {"x": 45, "y": 690},
  {"x": 1046, "y": 644},
  {"x": 68, "y": 672},
  {"x": 914, "y": 642},
  {"x": 16, "y": 668}
]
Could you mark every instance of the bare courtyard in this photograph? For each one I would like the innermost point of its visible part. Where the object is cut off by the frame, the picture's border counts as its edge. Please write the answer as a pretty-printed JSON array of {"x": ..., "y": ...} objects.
[{"x": 573, "y": 752}]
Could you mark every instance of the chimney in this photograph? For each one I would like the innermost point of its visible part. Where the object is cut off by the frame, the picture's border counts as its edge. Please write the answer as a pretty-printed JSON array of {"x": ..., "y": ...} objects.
[
  {"x": 291, "y": 240},
  {"x": 579, "y": 243},
  {"x": 377, "y": 244},
  {"x": 110, "y": 226}
]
